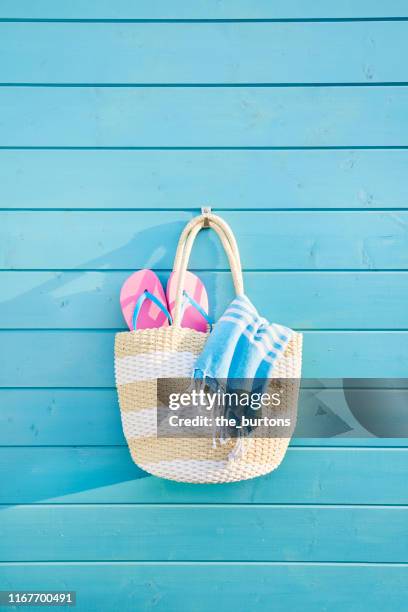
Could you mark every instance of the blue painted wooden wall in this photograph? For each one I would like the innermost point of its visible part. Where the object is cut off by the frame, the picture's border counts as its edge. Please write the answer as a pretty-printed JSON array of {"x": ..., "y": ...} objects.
[{"x": 118, "y": 120}]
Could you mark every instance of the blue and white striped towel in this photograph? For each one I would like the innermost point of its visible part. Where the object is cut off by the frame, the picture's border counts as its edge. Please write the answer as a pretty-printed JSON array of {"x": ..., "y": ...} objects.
[{"x": 243, "y": 345}]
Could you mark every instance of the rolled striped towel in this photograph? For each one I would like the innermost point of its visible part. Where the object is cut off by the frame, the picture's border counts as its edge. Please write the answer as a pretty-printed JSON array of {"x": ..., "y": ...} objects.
[{"x": 242, "y": 346}]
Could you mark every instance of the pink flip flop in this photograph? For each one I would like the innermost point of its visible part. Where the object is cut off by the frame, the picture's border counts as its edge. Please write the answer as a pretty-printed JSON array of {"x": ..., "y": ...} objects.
[
  {"x": 143, "y": 301},
  {"x": 195, "y": 301}
]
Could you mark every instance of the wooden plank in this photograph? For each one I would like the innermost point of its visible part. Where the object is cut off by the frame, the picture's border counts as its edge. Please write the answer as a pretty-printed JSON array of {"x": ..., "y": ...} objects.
[
  {"x": 60, "y": 417},
  {"x": 127, "y": 240},
  {"x": 212, "y": 9},
  {"x": 108, "y": 475},
  {"x": 203, "y": 117},
  {"x": 192, "y": 533},
  {"x": 228, "y": 179},
  {"x": 303, "y": 300},
  {"x": 85, "y": 358},
  {"x": 56, "y": 472},
  {"x": 202, "y": 587},
  {"x": 87, "y": 417},
  {"x": 362, "y": 52}
]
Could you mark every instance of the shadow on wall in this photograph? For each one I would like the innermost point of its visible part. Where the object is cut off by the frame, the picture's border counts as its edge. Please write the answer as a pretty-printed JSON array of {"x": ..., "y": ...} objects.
[
  {"x": 50, "y": 473},
  {"x": 30, "y": 474},
  {"x": 153, "y": 250}
]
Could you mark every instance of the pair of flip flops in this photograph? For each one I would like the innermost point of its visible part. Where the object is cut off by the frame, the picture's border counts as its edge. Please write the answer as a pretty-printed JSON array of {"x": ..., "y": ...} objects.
[{"x": 145, "y": 305}]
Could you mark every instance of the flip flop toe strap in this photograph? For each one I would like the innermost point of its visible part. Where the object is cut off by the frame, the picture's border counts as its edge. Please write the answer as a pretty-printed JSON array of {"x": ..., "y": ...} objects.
[
  {"x": 140, "y": 301},
  {"x": 187, "y": 298}
]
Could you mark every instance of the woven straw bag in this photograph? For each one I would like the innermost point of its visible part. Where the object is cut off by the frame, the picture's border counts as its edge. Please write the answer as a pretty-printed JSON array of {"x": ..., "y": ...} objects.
[{"x": 143, "y": 356}]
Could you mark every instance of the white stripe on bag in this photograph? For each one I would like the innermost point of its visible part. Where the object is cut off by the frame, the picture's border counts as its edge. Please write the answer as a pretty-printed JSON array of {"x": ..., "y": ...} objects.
[{"x": 149, "y": 366}]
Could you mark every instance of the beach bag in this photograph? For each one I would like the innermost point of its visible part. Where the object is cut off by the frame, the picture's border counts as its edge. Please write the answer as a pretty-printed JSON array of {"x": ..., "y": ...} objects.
[{"x": 144, "y": 356}]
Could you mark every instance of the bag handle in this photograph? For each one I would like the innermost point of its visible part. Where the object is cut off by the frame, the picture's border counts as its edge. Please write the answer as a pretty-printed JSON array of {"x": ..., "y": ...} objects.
[
  {"x": 227, "y": 239},
  {"x": 184, "y": 248},
  {"x": 205, "y": 220}
]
